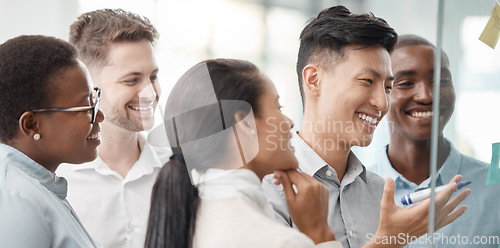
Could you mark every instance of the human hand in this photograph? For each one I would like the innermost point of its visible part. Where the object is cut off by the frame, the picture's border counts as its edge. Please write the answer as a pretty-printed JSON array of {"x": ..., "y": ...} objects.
[
  {"x": 413, "y": 221},
  {"x": 308, "y": 206}
]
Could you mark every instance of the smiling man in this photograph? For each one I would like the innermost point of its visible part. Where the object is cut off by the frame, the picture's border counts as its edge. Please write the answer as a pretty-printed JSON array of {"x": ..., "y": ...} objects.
[
  {"x": 344, "y": 73},
  {"x": 407, "y": 159},
  {"x": 345, "y": 78},
  {"x": 112, "y": 194}
]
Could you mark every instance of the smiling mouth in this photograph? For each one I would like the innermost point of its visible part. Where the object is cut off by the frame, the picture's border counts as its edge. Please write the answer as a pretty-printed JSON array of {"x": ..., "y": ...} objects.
[
  {"x": 94, "y": 136},
  {"x": 147, "y": 108},
  {"x": 372, "y": 121},
  {"x": 421, "y": 114}
]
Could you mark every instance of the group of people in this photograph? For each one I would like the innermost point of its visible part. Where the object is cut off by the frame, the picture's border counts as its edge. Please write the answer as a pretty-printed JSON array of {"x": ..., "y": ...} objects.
[{"x": 76, "y": 171}]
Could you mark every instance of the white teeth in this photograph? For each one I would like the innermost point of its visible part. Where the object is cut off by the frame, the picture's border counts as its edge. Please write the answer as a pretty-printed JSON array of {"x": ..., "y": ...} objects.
[
  {"x": 371, "y": 120},
  {"x": 421, "y": 114},
  {"x": 93, "y": 137},
  {"x": 141, "y": 108}
]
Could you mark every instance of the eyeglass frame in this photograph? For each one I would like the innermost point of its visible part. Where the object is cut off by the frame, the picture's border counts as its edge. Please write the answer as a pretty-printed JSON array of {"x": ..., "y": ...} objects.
[{"x": 95, "y": 108}]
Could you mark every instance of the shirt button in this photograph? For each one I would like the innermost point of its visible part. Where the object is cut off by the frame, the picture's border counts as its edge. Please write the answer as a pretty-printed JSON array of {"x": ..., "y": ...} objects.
[
  {"x": 131, "y": 228},
  {"x": 329, "y": 173},
  {"x": 350, "y": 233}
]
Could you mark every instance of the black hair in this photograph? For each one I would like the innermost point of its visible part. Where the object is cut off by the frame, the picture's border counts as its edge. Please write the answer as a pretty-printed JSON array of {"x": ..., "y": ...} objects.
[
  {"x": 175, "y": 200},
  {"x": 415, "y": 40},
  {"x": 325, "y": 39},
  {"x": 412, "y": 40},
  {"x": 27, "y": 65}
]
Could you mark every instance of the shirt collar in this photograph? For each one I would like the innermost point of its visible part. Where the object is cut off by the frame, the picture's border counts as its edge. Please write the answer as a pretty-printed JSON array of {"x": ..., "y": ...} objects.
[
  {"x": 49, "y": 180},
  {"x": 310, "y": 162},
  {"x": 449, "y": 169},
  {"x": 219, "y": 184},
  {"x": 148, "y": 160},
  {"x": 451, "y": 165},
  {"x": 384, "y": 167}
]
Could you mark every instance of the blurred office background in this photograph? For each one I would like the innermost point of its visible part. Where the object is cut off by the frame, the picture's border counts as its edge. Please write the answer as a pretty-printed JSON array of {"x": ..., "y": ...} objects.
[{"x": 266, "y": 32}]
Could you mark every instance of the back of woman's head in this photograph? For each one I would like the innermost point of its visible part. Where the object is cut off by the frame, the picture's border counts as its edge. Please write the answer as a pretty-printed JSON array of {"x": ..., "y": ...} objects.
[
  {"x": 175, "y": 199},
  {"x": 202, "y": 107},
  {"x": 27, "y": 65}
]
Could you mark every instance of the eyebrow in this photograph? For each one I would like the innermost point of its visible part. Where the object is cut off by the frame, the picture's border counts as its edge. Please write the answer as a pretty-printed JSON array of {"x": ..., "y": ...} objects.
[
  {"x": 405, "y": 73},
  {"x": 443, "y": 70},
  {"x": 85, "y": 98},
  {"x": 138, "y": 74}
]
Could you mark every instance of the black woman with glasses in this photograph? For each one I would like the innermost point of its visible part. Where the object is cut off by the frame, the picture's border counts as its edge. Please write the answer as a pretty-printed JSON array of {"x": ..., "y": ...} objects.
[{"x": 49, "y": 115}]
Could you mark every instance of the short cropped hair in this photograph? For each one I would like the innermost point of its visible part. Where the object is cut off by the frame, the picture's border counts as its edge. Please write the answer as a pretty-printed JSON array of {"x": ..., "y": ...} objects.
[
  {"x": 412, "y": 40},
  {"x": 93, "y": 31},
  {"x": 415, "y": 40},
  {"x": 27, "y": 65},
  {"x": 325, "y": 39}
]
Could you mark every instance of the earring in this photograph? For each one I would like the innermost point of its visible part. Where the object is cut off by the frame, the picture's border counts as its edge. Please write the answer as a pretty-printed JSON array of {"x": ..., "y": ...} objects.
[
  {"x": 36, "y": 136},
  {"x": 252, "y": 131}
]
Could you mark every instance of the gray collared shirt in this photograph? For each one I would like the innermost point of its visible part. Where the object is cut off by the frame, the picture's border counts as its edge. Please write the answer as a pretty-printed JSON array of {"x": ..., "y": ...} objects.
[
  {"x": 33, "y": 207},
  {"x": 354, "y": 203}
]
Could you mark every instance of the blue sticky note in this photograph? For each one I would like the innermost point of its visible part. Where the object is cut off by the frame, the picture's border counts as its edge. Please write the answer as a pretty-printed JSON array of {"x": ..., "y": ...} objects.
[{"x": 494, "y": 170}]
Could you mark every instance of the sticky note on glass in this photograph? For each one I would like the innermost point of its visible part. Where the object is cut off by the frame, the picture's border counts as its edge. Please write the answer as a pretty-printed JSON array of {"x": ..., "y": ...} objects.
[
  {"x": 494, "y": 170},
  {"x": 492, "y": 30}
]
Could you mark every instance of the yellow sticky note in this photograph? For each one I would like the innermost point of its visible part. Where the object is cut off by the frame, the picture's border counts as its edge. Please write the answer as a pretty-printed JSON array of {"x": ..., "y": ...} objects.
[{"x": 492, "y": 30}]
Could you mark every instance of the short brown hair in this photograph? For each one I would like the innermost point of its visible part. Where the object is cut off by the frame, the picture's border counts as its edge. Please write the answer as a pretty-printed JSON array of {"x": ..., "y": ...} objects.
[{"x": 93, "y": 31}]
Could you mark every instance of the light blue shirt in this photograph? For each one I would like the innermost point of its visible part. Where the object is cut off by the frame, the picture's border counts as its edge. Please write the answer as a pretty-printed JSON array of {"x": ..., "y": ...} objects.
[
  {"x": 479, "y": 226},
  {"x": 354, "y": 203},
  {"x": 33, "y": 207}
]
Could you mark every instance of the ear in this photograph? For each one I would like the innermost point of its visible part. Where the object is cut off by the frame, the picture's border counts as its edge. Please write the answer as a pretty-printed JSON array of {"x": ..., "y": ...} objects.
[
  {"x": 28, "y": 124},
  {"x": 311, "y": 80},
  {"x": 243, "y": 125}
]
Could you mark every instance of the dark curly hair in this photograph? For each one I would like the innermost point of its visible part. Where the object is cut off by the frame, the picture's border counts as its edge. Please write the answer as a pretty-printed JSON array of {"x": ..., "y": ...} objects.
[
  {"x": 27, "y": 65},
  {"x": 325, "y": 39},
  {"x": 93, "y": 31}
]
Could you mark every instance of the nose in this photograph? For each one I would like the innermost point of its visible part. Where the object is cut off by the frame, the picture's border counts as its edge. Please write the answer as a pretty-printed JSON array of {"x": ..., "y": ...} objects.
[
  {"x": 148, "y": 92},
  {"x": 379, "y": 99},
  {"x": 100, "y": 117},
  {"x": 423, "y": 93}
]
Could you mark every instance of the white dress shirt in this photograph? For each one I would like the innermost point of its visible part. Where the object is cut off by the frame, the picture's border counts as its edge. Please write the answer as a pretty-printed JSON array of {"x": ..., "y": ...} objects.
[
  {"x": 234, "y": 212},
  {"x": 114, "y": 209}
]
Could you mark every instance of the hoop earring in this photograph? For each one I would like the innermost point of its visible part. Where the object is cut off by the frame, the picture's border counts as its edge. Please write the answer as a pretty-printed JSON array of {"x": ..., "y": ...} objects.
[{"x": 36, "y": 136}]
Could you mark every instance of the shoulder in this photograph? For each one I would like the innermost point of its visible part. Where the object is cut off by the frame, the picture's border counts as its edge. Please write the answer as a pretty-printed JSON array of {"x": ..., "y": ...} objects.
[
  {"x": 162, "y": 153},
  {"x": 15, "y": 180},
  {"x": 20, "y": 213},
  {"x": 23, "y": 221},
  {"x": 471, "y": 167}
]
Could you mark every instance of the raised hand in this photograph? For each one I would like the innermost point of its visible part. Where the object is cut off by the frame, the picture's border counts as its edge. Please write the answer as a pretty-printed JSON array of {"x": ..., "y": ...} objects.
[
  {"x": 413, "y": 221},
  {"x": 308, "y": 206}
]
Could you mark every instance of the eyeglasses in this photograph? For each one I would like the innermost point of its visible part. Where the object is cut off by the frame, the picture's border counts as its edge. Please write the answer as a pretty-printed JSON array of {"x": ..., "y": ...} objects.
[{"x": 95, "y": 108}]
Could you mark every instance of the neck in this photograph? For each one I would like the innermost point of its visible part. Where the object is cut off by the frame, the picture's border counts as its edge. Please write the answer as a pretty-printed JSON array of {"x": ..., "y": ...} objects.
[
  {"x": 35, "y": 153},
  {"x": 329, "y": 147},
  {"x": 119, "y": 148},
  {"x": 411, "y": 158}
]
